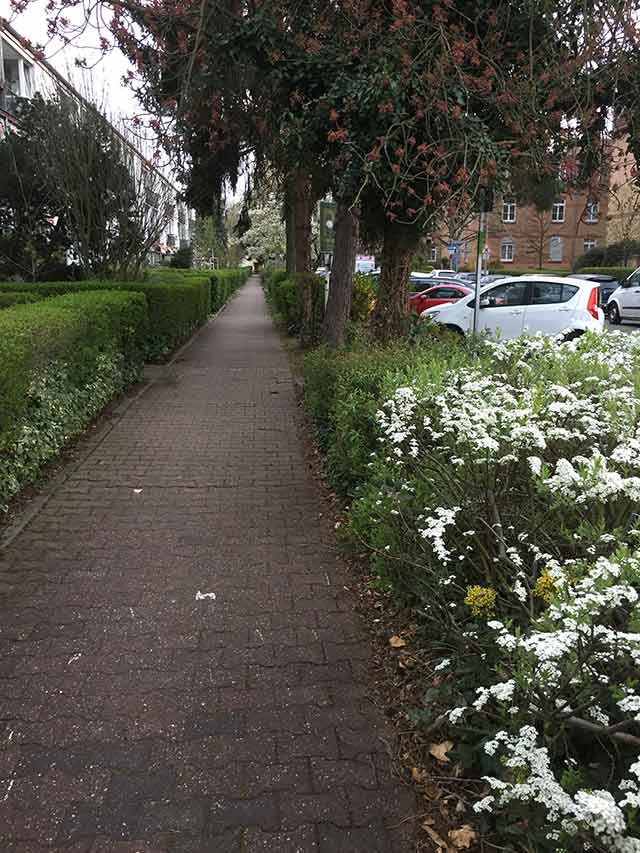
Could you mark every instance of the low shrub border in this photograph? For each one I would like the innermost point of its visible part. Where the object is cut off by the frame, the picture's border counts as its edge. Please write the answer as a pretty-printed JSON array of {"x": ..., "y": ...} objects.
[
  {"x": 617, "y": 272},
  {"x": 61, "y": 360},
  {"x": 224, "y": 283},
  {"x": 175, "y": 308},
  {"x": 9, "y": 299},
  {"x": 283, "y": 294},
  {"x": 500, "y": 503}
]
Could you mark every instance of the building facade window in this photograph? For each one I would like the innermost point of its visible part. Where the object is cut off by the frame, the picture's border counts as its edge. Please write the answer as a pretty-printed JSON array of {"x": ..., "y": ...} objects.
[
  {"x": 591, "y": 212},
  {"x": 557, "y": 211},
  {"x": 555, "y": 249},
  {"x": 433, "y": 253},
  {"x": 509, "y": 210},
  {"x": 506, "y": 250},
  {"x": 588, "y": 245}
]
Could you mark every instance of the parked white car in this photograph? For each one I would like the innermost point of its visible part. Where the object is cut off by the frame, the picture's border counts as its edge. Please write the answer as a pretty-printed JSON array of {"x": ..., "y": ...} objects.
[
  {"x": 624, "y": 303},
  {"x": 439, "y": 273},
  {"x": 526, "y": 305}
]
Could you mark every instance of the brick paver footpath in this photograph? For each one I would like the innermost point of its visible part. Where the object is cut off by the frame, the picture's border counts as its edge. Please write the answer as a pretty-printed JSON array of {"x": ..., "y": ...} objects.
[{"x": 181, "y": 667}]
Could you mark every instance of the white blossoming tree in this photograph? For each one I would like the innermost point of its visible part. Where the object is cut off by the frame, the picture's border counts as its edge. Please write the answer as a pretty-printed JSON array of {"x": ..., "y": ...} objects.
[{"x": 265, "y": 240}]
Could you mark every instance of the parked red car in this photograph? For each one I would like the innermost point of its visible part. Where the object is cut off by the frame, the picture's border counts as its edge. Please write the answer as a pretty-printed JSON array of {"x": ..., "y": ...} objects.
[{"x": 437, "y": 295}]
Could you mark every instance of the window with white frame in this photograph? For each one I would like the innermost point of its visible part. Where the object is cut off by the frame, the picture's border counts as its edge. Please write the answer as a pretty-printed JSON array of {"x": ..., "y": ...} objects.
[
  {"x": 506, "y": 250},
  {"x": 588, "y": 245},
  {"x": 591, "y": 212},
  {"x": 558, "y": 210},
  {"x": 508, "y": 210},
  {"x": 433, "y": 256},
  {"x": 555, "y": 249}
]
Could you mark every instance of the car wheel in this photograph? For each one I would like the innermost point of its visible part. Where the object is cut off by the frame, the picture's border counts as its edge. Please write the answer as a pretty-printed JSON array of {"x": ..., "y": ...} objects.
[
  {"x": 613, "y": 313},
  {"x": 456, "y": 329}
]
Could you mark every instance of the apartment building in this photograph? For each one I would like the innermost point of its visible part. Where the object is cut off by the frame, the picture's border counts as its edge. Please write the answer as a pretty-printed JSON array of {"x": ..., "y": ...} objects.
[
  {"x": 624, "y": 203},
  {"x": 521, "y": 236},
  {"x": 23, "y": 74}
]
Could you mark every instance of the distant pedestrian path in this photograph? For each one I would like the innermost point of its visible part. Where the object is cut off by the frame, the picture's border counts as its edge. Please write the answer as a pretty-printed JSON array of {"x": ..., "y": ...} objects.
[{"x": 181, "y": 667}]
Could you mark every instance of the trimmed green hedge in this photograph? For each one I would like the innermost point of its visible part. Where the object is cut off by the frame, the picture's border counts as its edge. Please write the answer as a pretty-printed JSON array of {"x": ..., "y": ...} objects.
[
  {"x": 224, "y": 284},
  {"x": 284, "y": 296},
  {"x": 9, "y": 299},
  {"x": 176, "y": 307},
  {"x": 617, "y": 272},
  {"x": 518, "y": 271},
  {"x": 61, "y": 360}
]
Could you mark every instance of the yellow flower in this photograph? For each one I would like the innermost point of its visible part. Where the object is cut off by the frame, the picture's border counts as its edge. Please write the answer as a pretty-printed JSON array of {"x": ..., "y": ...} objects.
[
  {"x": 481, "y": 600},
  {"x": 545, "y": 587}
]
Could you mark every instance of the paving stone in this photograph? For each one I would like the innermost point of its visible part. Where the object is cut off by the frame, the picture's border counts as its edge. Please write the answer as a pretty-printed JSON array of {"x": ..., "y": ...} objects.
[
  {"x": 225, "y": 814},
  {"x": 335, "y": 839},
  {"x": 138, "y": 712},
  {"x": 315, "y": 808},
  {"x": 300, "y": 840}
]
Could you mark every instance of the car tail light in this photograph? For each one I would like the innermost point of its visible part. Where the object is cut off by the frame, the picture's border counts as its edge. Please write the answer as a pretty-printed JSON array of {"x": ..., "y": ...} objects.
[{"x": 592, "y": 304}]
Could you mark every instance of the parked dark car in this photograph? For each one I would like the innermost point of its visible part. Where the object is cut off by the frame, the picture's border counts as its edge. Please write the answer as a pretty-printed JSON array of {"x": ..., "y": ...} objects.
[
  {"x": 419, "y": 281},
  {"x": 607, "y": 284},
  {"x": 440, "y": 294}
]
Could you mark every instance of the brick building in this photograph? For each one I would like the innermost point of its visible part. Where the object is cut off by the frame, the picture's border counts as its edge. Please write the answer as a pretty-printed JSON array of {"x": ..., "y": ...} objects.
[
  {"x": 624, "y": 195},
  {"x": 520, "y": 236}
]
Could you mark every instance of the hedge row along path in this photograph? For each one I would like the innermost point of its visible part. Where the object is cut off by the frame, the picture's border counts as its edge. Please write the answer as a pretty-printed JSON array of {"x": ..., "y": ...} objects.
[{"x": 182, "y": 668}]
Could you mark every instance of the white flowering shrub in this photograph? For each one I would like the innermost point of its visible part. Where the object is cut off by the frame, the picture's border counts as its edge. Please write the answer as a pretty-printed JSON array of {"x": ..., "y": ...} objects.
[{"x": 503, "y": 502}]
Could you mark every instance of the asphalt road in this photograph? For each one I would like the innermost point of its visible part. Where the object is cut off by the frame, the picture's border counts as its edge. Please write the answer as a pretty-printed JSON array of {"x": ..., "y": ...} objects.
[{"x": 630, "y": 328}]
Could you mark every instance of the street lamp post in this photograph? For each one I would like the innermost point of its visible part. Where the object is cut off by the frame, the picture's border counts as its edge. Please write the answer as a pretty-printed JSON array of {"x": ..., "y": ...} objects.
[{"x": 485, "y": 205}]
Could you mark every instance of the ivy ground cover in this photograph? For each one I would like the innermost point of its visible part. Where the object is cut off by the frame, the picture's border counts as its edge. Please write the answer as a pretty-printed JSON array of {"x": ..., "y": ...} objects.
[
  {"x": 500, "y": 501},
  {"x": 61, "y": 360}
]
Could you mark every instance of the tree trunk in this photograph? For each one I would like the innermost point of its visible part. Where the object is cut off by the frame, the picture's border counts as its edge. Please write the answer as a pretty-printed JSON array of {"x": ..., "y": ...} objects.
[
  {"x": 303, "y": 208},
  {"x": 341, "y": 282},
  {"x": 290, "y": 225},
  {"x": 391, "y": 314},
  {"x": 302, "y": 202}
]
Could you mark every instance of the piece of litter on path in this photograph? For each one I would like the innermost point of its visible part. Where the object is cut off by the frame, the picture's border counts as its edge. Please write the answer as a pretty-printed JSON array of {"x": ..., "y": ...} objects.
[
  {"x": 137, "y": 491},
  {"x": 11, "y": 784},
  {"x": 200, "y": 596},
  {"x": 74, "y": 658}
]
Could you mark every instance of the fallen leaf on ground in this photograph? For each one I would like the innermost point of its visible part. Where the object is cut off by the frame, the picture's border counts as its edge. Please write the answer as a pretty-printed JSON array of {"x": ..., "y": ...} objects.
[
  {"x": 417, "y": 775},
  {"x": 433, "y": 835},
  {"x": 397, "y": 642},
  {"x": 431, "y": 791},
  {"x": 463, "y": 838},
  {"x": 440, "y": 750}
]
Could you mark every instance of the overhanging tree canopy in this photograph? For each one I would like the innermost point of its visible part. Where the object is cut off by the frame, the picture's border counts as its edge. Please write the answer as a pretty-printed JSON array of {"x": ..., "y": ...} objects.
[{"x": 404, "y": 108}]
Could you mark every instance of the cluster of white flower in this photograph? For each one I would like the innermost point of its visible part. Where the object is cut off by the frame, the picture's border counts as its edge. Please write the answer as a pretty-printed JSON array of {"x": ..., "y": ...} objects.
[
  {"x": 589, "y": 479},
  {"x": 435, "y": 527},
  {"x": 593, "y": 811},
  {"x": 395, "y": 421}
]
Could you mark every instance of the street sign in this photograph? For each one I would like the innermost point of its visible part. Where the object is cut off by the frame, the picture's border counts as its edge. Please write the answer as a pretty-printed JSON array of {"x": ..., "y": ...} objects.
[
  {"x": 453, "y": 247},
  {"x": 327, "y": 226}
]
